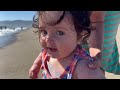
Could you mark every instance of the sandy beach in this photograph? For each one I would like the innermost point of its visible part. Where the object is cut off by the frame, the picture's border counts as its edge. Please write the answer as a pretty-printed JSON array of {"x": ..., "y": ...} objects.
[{"x": 17, "y": 57}]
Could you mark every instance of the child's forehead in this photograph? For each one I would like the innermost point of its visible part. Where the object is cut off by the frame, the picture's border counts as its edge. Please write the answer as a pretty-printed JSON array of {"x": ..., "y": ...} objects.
[
  {"x": 66, "y": 21},
  {"x": 50, "y": 16}
]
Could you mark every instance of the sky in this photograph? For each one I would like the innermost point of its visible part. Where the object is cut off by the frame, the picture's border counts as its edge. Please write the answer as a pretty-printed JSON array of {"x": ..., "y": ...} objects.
[{"x": 16, "y": 15}]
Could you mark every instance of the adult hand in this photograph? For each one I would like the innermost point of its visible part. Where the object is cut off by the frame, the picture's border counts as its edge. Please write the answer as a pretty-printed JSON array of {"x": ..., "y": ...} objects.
[{"x": 95, "y": 64}]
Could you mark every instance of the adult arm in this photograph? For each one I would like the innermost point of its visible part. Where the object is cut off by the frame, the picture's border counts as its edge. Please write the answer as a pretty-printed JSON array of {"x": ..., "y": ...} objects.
[{"x": 96, "y": 37}]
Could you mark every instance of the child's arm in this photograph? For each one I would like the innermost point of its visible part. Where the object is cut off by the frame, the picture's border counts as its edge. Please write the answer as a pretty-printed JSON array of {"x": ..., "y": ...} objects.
[
  {"x": 83, "y": 72},
  {"x": 38, "y": 60},
  {"x": 35, "y": 68},
  {"x": 96, "y": 37}
]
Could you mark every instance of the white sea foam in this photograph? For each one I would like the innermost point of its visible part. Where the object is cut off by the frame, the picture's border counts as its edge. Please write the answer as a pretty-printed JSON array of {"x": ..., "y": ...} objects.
[
  {"x": 9, "y": 31},
  {"x": 6, "y": 35}
]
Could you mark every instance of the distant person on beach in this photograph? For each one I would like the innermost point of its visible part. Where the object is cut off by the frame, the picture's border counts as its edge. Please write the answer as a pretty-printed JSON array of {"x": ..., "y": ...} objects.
[
  {"x": 21, "y": 28},
  {"x": 62, "y": 57},
  {"x": 5, "y": 27},
  {"x": 103, "y": 44},
  {"x": 14, "y": 28},
  {"x": 1, "y": 27}
]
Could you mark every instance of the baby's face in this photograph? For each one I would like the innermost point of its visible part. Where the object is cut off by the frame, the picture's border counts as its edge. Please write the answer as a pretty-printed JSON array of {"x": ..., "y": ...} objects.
[{"x": 59, "y": 40}]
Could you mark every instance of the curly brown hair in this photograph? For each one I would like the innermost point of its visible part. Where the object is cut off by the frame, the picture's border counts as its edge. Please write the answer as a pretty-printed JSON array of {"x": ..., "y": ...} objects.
[{"x": 81, "y": 21}]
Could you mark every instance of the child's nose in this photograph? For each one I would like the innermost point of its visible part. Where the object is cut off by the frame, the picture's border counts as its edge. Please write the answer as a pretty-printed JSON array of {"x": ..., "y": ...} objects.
[{"x": 49, "y": 39}]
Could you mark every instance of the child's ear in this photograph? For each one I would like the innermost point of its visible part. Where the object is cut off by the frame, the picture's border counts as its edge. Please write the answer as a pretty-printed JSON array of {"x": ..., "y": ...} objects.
[
  {"x": 79, "y": 39},
  {"x": 81, "y": 36},
  {"x": 84, "y": 33}
]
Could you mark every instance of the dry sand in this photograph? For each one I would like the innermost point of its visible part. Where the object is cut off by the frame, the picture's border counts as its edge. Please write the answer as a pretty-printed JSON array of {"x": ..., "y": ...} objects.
[{"x": 17, "y": 58}]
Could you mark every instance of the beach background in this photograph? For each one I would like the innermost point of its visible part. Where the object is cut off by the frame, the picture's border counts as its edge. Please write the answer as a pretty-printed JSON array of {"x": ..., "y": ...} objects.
[{"x": 20, "y": 52}]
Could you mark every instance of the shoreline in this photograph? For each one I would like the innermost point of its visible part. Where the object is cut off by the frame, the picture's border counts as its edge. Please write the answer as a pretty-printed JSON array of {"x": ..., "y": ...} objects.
[{"x": 10, "y": 39}]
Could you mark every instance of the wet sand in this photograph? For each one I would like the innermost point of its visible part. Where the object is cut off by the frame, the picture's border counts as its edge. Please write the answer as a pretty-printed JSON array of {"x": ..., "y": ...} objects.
[{"x": 17, "y": 57}]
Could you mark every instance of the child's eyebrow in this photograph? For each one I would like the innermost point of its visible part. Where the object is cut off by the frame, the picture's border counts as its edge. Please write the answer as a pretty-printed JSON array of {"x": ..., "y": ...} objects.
[
  {"x": 63, "y": 28},
  {"x": 56, "y": 27}
]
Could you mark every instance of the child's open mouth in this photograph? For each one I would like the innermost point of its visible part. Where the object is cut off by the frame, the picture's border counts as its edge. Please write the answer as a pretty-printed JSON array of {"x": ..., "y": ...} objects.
[{"x": 52, "y": 49}]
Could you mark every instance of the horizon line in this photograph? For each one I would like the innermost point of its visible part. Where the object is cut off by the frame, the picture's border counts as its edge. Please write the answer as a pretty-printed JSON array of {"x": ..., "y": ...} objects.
[{"x": 16, "y": 20}]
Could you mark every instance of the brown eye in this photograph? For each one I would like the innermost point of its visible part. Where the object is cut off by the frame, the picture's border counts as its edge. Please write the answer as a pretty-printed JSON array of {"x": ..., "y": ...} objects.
[
  {"x": 60, "y": 33},
  {"x": 43, "y": 32}
]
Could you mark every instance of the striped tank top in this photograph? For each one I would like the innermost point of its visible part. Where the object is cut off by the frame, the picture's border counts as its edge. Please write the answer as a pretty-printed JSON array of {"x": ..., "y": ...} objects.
[{"x": 110, "y": 55}]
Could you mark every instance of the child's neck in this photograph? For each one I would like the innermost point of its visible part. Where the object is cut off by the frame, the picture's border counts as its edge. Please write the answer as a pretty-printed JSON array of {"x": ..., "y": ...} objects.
[
  {"x": 57, "y": 66},
  {"x": 66, "y": 59}
]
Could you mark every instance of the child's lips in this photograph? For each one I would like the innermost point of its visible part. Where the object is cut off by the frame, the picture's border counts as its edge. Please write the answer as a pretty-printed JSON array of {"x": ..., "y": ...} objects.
[{"x": 52, "y": 49}]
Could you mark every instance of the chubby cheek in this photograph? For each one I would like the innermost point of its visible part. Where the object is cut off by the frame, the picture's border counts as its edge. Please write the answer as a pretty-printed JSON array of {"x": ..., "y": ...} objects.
[
  {"x": 42, "y": 42},
  {"x": 66, "y": 46}
]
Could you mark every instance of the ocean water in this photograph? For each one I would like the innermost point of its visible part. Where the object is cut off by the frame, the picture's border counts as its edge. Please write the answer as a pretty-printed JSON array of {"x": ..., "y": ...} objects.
[{"x": 6, "y": 35}]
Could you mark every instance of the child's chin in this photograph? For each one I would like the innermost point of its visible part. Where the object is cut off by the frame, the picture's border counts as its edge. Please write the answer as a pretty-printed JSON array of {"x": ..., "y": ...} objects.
[{"x": 53, "y": 56}]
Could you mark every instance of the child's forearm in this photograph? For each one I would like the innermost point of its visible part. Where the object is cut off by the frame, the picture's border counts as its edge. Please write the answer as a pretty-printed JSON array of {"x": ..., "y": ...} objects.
[{"x": 38, "y": 60}]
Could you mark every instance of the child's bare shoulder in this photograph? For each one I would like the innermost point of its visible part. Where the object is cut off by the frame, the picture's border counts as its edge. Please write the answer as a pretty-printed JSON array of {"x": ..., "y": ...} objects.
[{"x": 83, "y": 72}]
